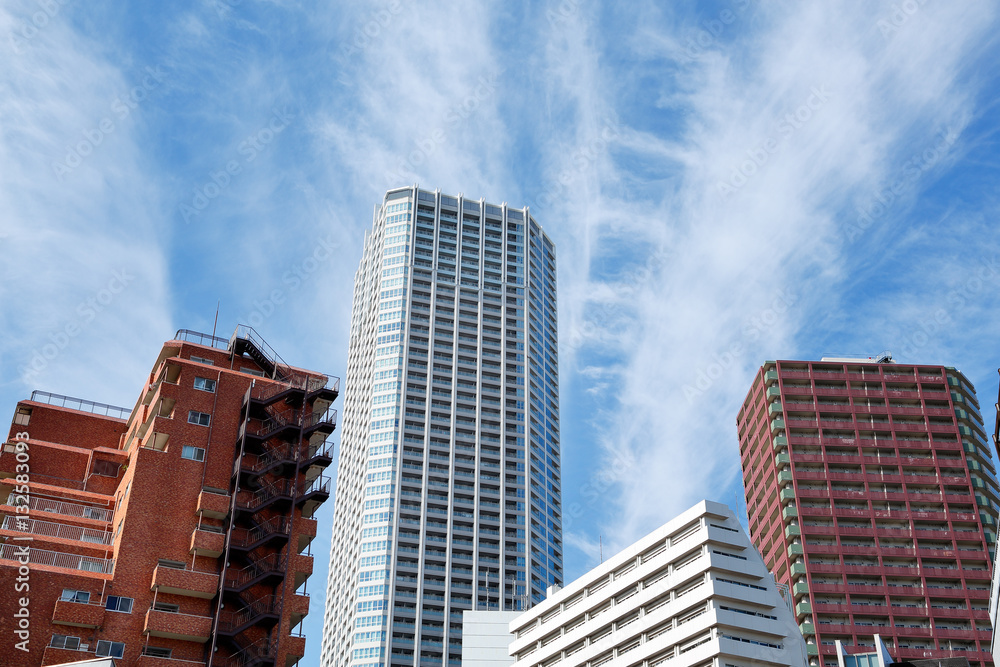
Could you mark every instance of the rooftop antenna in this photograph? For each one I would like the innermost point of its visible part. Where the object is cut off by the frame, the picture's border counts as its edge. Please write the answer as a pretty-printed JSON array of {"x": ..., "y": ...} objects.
[{"x": 218, "y": 303}]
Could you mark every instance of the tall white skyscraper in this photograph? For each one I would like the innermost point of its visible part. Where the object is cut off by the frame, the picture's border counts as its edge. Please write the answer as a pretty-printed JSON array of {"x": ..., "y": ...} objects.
[{"x": 449, "y": 481}]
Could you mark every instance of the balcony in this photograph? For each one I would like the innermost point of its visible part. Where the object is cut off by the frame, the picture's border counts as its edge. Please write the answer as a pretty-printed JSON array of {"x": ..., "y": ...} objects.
[
  {"x": 191, "y": 583},
  {"x": 42, "y": 557},
  {"x": 170, "y": 625},
  {"x": 306, "y": 529},
  {"x": 58, "y": 531},
  {"x": 213, "y": 505},
  {"x": 58, "y": 656},
  {"x": 69, "y": 509},
  {"x": 302, "y": 566},
  {"x": 297, "y": 606},
  {"x": 295, "y": 645},
  {"x": 78, "y": 614},
  {"x": 207, "y": 543}
]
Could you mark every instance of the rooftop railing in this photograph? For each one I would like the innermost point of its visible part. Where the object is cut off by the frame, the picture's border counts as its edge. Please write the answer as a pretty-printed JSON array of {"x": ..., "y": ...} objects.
[
  {"x": 189, "y": 336},
  {"x": 80, "y": 404}
]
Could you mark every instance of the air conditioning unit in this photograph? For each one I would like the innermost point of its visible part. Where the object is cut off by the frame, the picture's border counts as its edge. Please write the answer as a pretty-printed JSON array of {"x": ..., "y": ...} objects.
[{"x": 84, "y": 647}]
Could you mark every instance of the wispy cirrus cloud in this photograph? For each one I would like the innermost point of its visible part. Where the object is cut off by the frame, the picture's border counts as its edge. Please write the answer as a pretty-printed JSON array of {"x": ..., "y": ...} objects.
[
  {"x": 84, "y": 277},
  {"x": 835, "y": 106}
]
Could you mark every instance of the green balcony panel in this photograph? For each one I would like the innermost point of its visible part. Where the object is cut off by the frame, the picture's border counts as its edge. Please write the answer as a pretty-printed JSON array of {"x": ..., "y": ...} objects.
[
  {"x": 773, "y": 392},
  {"x": 801, "y": 588},
  {"x": 782, "y": 459},
  {"x": 779, "y": 441},
  {"x": 803, "y": 608},
  {"x": 807, "y": 629},
  {"x": 798, "y": 569},
  {"x": 812, "y": 649},
  {"x": 795, "y": 550},
  {"x": 775, "y": 408},
  {"x": 789, "y": 512},
  {"x": 784, "y": 477},
  {"x": 793, "y": 531},
  {"x": 770, "y": 376},
  {"x": 787, "y": 495},
  {"x": 779, "y": 423}
]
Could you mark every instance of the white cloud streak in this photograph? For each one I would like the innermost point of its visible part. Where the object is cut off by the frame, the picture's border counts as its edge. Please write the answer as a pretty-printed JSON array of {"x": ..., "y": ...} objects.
[
  {"x": 837, "y": 107},
  {"x": 84, "y": 282}
]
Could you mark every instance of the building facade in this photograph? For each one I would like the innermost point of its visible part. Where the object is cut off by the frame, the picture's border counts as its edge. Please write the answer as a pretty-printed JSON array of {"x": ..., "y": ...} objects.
[
  {"x": 174, "y": 534},
  {"x": 872, "y": 494},
  {"x": 448, "y": 481},
  {"x": 881, "y": 656},
  {"x": 694, "y": 593},
  {"x": 486, "y": 638},
  {"x": 995, "y": 584}
]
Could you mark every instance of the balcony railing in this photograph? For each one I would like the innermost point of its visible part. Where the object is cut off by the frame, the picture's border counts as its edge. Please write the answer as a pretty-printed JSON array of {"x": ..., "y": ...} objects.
[
  {"x": 245, "y": 537},
  {"x": 69, "y": 509},
  {"x": 189, "y": 336},
  {"x": 58, "y": 530},
  {"x": 80, "y": 404},
  {"x": 273, "y": 564},
  {"x": 330, "y": 416},
  {"x": 253, "y": 501},
  {"x": 230, "y": 621},
  {"x": 257, "y": 653},
  {"x": 56, "y": 559}
]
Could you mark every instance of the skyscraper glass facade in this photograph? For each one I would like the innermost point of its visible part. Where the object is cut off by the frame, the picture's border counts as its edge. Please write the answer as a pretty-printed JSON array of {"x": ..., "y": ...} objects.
[{"x": 449, "y": 481}]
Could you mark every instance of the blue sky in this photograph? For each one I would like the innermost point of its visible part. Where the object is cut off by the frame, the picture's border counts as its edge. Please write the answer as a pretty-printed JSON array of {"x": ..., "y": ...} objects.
[{"x": 726, "y": 183}]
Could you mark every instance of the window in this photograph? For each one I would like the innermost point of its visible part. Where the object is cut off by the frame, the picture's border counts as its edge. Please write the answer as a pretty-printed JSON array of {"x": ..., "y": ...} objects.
[
  {"x": 66, "y": 642},
  {"x": 204, "y": 384},
  {"x": 22, "y": 416},
  {"x": 167, "y": 607},
  {"x": 202, "y": 360},
  {"x": 172, "y": 564},
  {"x": 106, "y": 649},
  {"x": 71, "y": 595},
  {"x": 106, "y": 468},
  {"x": 193, "y": 453},
  {"x": 123, "y": 605},
  {"x": 252, "y": 371},
  {"x": 157, "y": 652},
  {"x": 200, "y": 418}
]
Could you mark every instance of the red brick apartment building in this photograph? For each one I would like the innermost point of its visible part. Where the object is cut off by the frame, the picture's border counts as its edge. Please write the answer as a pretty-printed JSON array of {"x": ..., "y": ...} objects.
[
  {"x": 174, "y": 534},
  {"x": 872, "y": 494}
]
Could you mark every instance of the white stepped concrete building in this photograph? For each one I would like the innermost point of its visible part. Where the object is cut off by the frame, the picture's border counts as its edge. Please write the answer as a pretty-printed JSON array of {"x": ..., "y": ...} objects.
[{"x": 693, "y": 593}]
